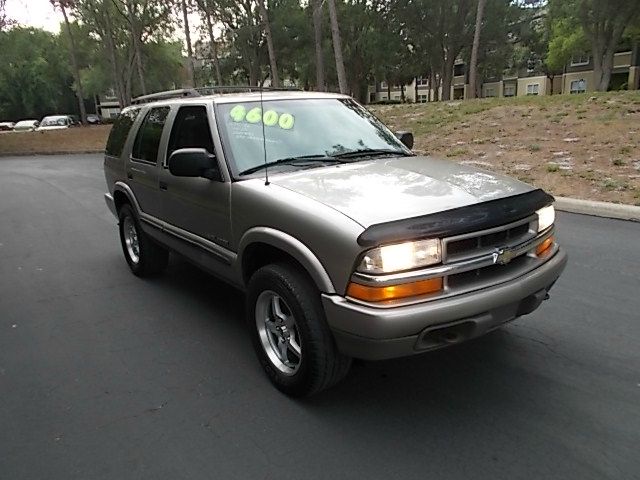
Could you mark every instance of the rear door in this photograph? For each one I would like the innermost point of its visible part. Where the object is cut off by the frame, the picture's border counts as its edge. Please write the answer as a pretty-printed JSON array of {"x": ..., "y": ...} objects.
[
  {"x": 142, "y": 168},
  {"x": 196, "y": 205}
]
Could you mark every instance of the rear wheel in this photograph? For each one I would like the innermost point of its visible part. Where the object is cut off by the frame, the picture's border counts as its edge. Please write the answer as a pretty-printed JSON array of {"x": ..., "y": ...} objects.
[
  {"x": 143, "y": 255},
  {"x": 289, "y": 332}
]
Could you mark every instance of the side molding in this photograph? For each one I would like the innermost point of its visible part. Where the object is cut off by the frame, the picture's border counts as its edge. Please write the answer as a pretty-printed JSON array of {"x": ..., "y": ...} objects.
[{"x": 293, "y": 247}]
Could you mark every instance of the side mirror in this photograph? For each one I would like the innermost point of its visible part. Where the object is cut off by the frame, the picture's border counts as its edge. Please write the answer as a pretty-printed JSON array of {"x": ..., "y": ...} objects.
[
  {"x": 194, "y": 162},
  {"x": 406, "y": 138}
]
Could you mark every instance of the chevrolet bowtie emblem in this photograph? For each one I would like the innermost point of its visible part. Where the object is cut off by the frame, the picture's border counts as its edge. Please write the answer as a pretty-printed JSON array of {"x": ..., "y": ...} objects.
[{"x": 502, "y": 256}]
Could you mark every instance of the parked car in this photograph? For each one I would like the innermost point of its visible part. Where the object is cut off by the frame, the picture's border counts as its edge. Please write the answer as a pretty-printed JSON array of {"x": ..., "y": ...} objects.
[
  {"x": 26, "y": 126},
  {"x": 55, "y": 122},
  {"x": 75, "y": 120},
  {"x": 6, "y": 126},
  {"x": 346, "y": 243},
  {"x": 93, "y": 119}
]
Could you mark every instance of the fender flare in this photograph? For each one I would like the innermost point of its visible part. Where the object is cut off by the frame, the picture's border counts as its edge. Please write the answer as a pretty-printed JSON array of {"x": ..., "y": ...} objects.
[
  {"x": 124, "y": 188},
  {"x": 292, "y": 246}
]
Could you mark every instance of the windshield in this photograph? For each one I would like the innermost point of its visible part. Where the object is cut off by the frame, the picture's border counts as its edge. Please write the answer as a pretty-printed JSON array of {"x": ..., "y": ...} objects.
[
  {"x": 53, "y": 121},
  {"x": 299, "y": 128}
]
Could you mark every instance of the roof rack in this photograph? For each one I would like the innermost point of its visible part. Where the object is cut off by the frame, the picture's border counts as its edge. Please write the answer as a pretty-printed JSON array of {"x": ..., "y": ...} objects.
[{"x": 201, "y": 91}]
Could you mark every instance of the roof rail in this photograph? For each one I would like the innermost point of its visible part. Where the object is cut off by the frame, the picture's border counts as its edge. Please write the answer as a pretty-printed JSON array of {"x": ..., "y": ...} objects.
[
  {"x": 242, "y": 88},
  {"x": 200, "y": 91},
  {"x": 183, "y": 92}
]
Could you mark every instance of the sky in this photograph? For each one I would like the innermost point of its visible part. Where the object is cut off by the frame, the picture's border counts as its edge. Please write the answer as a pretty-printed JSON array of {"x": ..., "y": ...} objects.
[
  {"x": 41, "y": 14},
  {"x": 34, "y": 13}
]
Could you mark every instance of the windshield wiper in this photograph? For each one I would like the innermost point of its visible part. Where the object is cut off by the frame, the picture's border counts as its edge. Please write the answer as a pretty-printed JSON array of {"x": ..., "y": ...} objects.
[
  {"x": 370, "y": 152},
  {"x": 301, "y": 159}
]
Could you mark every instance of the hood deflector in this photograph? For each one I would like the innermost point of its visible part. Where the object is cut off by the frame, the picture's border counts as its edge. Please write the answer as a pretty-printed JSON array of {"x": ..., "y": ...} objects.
[{"x": 457, "y": 221}]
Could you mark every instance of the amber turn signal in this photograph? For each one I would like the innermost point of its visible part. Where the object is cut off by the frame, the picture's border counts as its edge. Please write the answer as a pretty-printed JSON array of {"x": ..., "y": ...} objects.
[
  {"x": 394, "y": 292},
  {"x": 544, "y": 246}
]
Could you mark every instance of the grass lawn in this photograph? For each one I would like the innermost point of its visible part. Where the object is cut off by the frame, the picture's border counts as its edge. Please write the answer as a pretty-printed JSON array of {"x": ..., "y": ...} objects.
[
  {"x": 584, "y": 146},
  {"x": 76, "y": 139}
]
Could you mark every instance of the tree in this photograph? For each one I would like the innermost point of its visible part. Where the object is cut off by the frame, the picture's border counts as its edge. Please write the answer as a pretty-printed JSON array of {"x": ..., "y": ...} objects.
[
  {"x": 602, "y": 22},
  {"x": 206, "y": 10},
  {"x": 317, "y": 36},
  {"x": 275, "y": 80},
  {"x": 337, "y": 47},
  {"x": 473, "y": 66},
  {"x": 73, "y": 53},
  {"x": 187, "y": 34},
  {"x": 4, "y": 20},
  {"x": 35, "y": 77}
]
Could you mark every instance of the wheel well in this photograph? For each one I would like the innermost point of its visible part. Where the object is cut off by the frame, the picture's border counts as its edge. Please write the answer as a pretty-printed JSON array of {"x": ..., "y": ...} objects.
[
  {"x": 257, "y": 255},
  {"x": 119, "y": 199}
]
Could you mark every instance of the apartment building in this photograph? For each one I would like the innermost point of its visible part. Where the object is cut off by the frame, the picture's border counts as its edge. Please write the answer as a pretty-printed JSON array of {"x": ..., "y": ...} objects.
[{"x": 577, "y": 77}]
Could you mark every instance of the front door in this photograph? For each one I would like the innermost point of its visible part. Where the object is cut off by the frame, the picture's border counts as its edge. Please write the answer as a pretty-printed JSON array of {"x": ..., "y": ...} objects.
[{"x": 198, "y": 206}]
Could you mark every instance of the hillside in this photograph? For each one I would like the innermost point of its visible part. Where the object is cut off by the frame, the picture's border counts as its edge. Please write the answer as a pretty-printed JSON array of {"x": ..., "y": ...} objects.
[{"x": 583, "y": 146}]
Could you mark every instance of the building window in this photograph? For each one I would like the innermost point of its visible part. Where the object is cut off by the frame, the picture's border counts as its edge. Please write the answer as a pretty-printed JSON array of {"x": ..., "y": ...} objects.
[
  {"x": 580, "y": 60},
  {"x": 422, "y": 99},
  {"x": 458, "y": 70},
  {"x": 422, "y": 81},
  {"x": 383, "y": 85},
  {"x": 533, "y": 89},
  {"x": 578, "y": 86},
  {"x": 490, "y": 92},
  {"x": 372, "y": 97},
  {"x": 509, "y": 90}
]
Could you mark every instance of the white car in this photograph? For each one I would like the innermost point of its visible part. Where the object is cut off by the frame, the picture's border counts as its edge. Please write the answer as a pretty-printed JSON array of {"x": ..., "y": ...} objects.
[
  {"x": 55, "y": 122},
  {"x": 26, "y": 126}
]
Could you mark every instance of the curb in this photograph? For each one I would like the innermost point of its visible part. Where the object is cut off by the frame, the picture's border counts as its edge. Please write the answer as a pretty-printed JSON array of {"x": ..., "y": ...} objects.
[
  {"x": 63, "y": 152},
  {"x": 598, "y": 209}
]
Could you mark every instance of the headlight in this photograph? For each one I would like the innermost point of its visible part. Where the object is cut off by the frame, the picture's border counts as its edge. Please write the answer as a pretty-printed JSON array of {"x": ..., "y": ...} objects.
[
  {"x": 546, "y": 217},
  {"x": 401, "y": 256}
]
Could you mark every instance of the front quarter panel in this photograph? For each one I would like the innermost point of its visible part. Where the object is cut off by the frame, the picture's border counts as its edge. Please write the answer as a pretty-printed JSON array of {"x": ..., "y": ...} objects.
[{"x": 328, "y": 234}]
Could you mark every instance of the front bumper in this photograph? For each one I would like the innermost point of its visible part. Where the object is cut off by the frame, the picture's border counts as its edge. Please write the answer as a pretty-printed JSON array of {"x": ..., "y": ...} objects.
[{"x": 374, "y": 333}]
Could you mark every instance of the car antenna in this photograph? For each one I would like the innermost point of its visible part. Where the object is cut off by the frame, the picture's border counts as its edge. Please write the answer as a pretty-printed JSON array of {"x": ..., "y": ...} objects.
[{"x": 264, "y": 141}]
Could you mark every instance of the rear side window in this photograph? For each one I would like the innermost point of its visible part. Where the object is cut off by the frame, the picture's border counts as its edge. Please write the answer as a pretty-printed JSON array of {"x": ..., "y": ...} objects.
[
  {"x": 120, "y": 131},
  {"x": 148, "y": 139}
]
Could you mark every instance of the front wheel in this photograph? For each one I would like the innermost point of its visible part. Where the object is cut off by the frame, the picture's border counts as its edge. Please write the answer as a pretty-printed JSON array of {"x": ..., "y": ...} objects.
[
  {"x": 290, "y": 334},
  {"x": 143, "y": 255}
]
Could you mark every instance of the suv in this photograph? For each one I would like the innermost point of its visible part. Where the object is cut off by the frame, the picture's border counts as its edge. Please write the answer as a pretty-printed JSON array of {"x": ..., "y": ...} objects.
[{"x": 346, "y": 243}]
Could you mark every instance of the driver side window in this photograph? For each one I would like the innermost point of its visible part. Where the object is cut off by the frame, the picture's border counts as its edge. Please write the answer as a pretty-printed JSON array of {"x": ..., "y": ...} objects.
[{"x": 191, "y": 130}]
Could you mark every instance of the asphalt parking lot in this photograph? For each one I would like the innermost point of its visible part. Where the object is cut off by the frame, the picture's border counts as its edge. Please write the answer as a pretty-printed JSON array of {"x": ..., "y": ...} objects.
[{"x": 106, "y": 376}]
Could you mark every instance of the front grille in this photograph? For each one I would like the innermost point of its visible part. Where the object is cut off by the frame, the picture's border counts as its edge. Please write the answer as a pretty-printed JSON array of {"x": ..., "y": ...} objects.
[
  {"x": 491, "y": 274},
  {"x": 480, "y": 243}
]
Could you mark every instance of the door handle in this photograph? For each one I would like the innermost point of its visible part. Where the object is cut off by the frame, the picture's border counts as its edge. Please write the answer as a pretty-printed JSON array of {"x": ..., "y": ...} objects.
[{"x": 163, "y": 186}]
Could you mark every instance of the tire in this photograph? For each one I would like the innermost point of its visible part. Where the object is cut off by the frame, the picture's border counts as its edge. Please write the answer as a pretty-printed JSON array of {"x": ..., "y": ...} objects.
[
  {"x": 144, "y": 257},
  {"x": 283, "y": 308}
]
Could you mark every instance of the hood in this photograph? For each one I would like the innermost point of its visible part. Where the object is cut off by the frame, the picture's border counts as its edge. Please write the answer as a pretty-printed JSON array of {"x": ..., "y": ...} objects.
[{"x": 384, "y": 190}]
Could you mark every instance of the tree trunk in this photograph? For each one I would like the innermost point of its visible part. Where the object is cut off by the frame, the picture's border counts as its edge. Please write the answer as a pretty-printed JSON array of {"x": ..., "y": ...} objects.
[
  {"x": 317, "y": 31},
  {"x": 634, "y": 61},
  {"x": 602, "y": 66},
  {"x": 473, "y": 67},
  {"x": 447, "y": 77},
  {"x": 275, "y": 81},
  {"x": 432, "y": 83},
  {"x": 76, "y": 68},
  {"x": 213, "y": 45},
  {"x": 123, "y": 100},
  {"x": 337, "y": 47},
  {"x": 135, "y": 37},
  {"x": 190, "y": 69}
]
